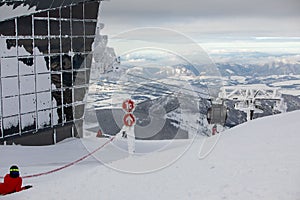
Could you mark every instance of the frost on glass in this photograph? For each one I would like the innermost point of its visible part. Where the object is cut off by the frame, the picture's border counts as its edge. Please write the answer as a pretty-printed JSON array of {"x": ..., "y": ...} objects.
[
  {"x": 45, "y": 65},
  {"x": 44, "y": 118},
  {"x": 26, "y": 65},
  {"x": 43, "y": 82},
  {"x": 9, "y": 67},
  {"x": 10, "y": 86},
  {"x": 41, "y": 65},
  {"x": 28, "y": 103},
  {"x": 44, "y": 100},
  {"x": 10, "y": 106},
  {"x": 28, "y": 121},
  {"x": 11, "y": 125},
  {"x": 27, "y": 84}
]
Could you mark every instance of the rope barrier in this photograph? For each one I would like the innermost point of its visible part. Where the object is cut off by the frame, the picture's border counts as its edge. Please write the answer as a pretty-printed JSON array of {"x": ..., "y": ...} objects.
[{"x": 69, "y": 164}]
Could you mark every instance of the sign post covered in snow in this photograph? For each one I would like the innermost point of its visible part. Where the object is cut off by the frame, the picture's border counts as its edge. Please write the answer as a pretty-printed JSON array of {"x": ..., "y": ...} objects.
[{"x": 129, "y": 121}]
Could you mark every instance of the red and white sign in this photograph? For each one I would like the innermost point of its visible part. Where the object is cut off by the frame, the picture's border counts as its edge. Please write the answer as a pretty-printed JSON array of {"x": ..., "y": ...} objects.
[
  {"x": 129, "y": 119},
  {"x": 128, "y": 105}
]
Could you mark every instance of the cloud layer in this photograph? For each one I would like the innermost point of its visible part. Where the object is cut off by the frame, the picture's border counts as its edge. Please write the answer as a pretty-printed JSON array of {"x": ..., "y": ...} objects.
[{"x": 196, "y": 17}]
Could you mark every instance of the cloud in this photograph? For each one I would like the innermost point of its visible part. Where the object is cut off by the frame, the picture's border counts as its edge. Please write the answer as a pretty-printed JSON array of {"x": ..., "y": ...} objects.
[
  {"x": 254, "y": 18},
  {"x": 202, "y": 8}
]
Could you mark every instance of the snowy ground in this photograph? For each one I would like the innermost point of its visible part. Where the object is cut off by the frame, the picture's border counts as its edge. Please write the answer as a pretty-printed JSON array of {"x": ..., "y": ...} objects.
[{"x": 256, "y": 160}]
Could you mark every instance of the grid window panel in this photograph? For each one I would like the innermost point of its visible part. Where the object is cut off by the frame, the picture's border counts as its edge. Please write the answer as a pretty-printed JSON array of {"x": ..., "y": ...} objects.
[
  {"x": 88, "y": 44},
  {"x": 90, "y": 28},
  {"x": 55, "y": 45},
  {"x": 41, "y": 65},
  {"x": 44, "y": 100},
  {"x": 78, "y": 61},
  {"x": 77, "y": 28},
  {"x": 43, "y": 82},
  {"x": 9, "y": 46},
  {"x": 79, "y": 94},
  {"x": 25, "y": 47},
  {"x": 56, "y": 98},
  {"x": 54, "y": 27},
  {"x": 41, "y": 46},
  {"x": 68, "y": 113},
  {"x": 65, "y": 28},
  {"x": 41, "y": 27},
  {"x": 55, "y": 63},
  {"x": 67, "y": 96},
  {"x": 79, "y": 78},
  {"x": 28, "y": 103},
  {"x": 66, "y": 45},
  {"x": 67, "y": 79},
  {"x": 9, "y": 66},
  {"x": 28, "y": 122},
  {"x": 8, "y": 28},
  {"x": 57, "y": 115},
  {"x": 91, "y": 10},
  {"x": 66, "y": 62},
  {"x": 44, "y": 119},
  {"x": 77, "y": 11},
  {"x": 10, "y": 106},
  {"x": 27, "y": 84},
  {"x": 78, "y": 44},
  {"x": 11, "y": 126},
  {"x": 10, "y": 87},
  {"x": 56, "y": 81},
  {"x": 26, "y": 65},
  {"x": 65, "y": 11},
  {"x": 24, "y": 26},
  {"x": 54, "y": 13}
]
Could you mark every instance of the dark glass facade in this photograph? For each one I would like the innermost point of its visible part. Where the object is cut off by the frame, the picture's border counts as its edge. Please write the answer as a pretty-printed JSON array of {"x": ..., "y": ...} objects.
[{"x": 45, "y": 66}]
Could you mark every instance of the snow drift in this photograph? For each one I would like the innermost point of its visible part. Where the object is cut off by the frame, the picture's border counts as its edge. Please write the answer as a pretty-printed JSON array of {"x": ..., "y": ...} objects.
[{"x": 256, "y": 160}]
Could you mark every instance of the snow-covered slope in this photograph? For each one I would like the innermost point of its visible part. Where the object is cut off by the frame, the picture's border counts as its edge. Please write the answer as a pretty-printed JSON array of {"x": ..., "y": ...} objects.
[{"x": 256, "y": 160}]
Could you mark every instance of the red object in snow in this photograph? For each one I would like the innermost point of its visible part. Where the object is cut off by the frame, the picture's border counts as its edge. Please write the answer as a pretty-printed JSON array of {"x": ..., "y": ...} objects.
[
  {"x": 99, "y": 133},
  {"x": 214, "y": 130},
  {"x": 11, "y": 185},
  {"x": 129, "y": 119},
  {"x": 128, "y": 105}
]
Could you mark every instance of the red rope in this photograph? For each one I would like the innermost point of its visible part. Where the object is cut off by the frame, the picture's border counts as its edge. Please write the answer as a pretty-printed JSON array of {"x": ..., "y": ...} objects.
[{"x": 70, "y": 164}]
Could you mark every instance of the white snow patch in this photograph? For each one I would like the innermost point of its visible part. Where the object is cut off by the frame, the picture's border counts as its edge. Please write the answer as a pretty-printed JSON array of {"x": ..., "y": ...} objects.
[{"x": 256, "y": 160}]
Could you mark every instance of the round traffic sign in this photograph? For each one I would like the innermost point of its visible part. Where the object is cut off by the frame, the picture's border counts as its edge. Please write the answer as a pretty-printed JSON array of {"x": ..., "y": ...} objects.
[
  {"x": 129, "y": 119},
  {"x": 128, "y": 105}
]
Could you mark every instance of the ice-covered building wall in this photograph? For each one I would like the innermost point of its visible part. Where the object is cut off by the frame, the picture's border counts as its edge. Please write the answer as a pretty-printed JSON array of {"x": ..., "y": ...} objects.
[{"x": 45, "y": 60}]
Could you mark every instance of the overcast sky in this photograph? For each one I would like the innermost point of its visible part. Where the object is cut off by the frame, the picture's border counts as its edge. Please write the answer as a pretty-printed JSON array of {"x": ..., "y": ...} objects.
[{"x": 210, "y": 18}]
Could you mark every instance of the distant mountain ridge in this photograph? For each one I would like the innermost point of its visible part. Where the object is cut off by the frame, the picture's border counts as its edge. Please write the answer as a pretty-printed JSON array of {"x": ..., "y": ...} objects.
[{"x": 275, "y": 68}]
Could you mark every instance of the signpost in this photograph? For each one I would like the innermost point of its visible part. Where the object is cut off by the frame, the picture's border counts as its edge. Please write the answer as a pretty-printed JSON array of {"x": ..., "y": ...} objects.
[
  {"x": 129, "y": 121},
  {"x": 128, "y": 106}
]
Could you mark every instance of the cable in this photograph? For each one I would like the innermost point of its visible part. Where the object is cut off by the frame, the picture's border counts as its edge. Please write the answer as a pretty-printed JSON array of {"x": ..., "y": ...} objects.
[{"x": 69, "y": 164}]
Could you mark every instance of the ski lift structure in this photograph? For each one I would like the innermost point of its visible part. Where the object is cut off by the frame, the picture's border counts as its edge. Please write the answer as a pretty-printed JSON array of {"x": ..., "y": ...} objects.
[
  {"x": 217, "y": 113},
  {"x": 248, "y": 98}
]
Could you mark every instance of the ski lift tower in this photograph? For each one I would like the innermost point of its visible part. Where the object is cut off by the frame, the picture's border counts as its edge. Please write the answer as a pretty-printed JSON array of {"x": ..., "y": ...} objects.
[{"x": 248, "y": 98}]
